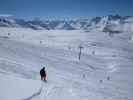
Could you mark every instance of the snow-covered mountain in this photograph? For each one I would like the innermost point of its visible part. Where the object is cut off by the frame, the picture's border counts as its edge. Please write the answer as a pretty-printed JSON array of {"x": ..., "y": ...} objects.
[
  {"x": 103, "y": 72},
  {"x": 111, "y": 23},
  {"x": 7, "y": 21}
]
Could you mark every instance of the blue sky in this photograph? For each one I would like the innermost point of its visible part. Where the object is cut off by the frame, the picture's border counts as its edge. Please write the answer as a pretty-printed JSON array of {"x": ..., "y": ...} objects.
[{"x": 65, "y": 8}]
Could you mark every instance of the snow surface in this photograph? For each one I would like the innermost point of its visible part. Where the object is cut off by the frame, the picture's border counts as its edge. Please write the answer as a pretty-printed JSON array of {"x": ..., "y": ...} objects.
[{"x": 103, "y": 73}]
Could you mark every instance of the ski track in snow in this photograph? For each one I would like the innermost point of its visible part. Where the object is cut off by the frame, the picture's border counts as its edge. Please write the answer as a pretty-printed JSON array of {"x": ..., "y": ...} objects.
[
  {"x": 34, "y": 95},
  {"x": 47, "y": 93}
]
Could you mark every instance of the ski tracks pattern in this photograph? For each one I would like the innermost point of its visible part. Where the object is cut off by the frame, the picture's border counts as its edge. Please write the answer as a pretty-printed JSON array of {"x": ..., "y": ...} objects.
[{"x": 49, "y": 91}]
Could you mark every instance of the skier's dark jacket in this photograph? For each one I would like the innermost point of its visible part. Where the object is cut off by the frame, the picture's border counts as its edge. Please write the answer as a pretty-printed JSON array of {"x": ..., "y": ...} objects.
[{"x": 42, "y": 72}]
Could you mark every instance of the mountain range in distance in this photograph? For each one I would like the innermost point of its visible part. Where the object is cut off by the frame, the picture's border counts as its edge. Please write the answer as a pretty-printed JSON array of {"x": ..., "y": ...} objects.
[{"x": 110, "y": 23}]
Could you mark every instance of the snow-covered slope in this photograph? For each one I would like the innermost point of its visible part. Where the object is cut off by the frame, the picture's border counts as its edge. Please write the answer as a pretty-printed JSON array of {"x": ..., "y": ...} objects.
[
  {"x": 102, "y": 73},
  {"x": 14, "y": 88}
]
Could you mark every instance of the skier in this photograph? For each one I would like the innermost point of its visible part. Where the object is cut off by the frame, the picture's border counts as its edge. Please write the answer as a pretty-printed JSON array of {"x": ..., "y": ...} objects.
[{"x": 43, "y": 74}]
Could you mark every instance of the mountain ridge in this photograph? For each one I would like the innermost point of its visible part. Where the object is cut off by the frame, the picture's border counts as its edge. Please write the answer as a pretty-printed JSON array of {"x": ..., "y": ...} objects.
[{"x": 110, "y": 23}]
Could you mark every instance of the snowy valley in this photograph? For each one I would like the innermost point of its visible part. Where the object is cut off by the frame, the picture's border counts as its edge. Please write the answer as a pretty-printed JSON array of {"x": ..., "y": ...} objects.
[{"x": 104, "y": 71}]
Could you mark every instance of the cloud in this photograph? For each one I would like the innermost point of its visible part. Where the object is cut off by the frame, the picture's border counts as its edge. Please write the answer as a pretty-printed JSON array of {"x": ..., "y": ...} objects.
[{"x": 6, "y": 15}]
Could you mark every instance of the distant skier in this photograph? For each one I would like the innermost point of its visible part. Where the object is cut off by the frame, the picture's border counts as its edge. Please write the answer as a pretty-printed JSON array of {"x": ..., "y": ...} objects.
[{"x": 43, "y": 74}]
